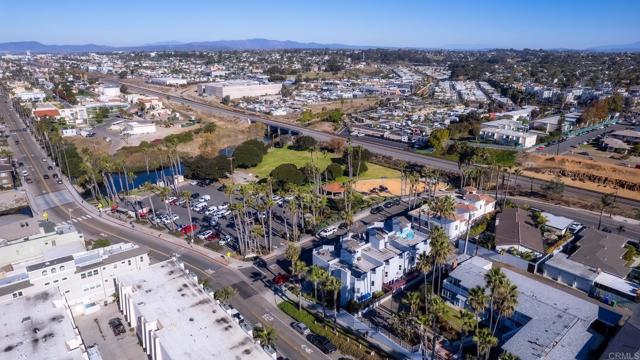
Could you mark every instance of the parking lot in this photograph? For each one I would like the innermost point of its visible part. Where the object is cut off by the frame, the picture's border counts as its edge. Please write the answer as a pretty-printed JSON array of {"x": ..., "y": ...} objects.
[{"x": 95, "y": 329}]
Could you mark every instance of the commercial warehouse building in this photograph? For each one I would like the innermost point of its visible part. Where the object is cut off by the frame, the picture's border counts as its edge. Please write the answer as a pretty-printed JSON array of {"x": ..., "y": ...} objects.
[{"x": 236, "y": 89}]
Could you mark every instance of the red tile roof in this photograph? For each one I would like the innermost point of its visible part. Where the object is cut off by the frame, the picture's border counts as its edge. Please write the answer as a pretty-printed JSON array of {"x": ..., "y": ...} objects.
[{"x": 46, "y": 112}]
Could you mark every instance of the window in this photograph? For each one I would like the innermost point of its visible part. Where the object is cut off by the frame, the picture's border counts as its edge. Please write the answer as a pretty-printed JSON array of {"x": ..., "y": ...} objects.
[
  {"x": 64, "y": 278},
  {"x": 44, "y": 272},
  {"x": 104, "y": 268},
  {"x": 400, "y": 267},
  {"x": 141, "y": 258},
  {"x": 54, "y": 270},
  {"x": 17, "y": 294},
  {"x": 129, "y": 262},
  {"x": 95, "y": 272},
  {"x": 89, "y": 274},
  {"x": 61, "y": 267},
  {"x": 67, "y": 291},
  {"x": 83, "y": 276},
  {"x": 115, "y": 266},
  {"x": 47, "y": 283},
  {"x": 56, "y": 281},
  {"x": 373, "y": 283},
  {"x": 386, "y": 274}
]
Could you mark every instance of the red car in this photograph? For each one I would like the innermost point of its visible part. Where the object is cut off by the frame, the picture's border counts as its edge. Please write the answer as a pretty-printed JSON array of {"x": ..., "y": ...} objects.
[
  {"x": 280, "y": 279},
  {"x": 188, "y": 229},
  {"x": 213, "y": 237}
]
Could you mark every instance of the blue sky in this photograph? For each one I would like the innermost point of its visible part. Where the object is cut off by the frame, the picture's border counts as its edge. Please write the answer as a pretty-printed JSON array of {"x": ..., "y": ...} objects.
[{"x": 426, "y": 23}]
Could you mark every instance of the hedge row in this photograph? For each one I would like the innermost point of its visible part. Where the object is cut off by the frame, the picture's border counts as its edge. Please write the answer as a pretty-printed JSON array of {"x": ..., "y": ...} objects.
[{"x": 347, "y": 345}]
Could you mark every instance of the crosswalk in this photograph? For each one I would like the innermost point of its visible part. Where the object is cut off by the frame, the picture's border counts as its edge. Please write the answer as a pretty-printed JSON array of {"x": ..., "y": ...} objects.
[{"x": 75, "y": 220}]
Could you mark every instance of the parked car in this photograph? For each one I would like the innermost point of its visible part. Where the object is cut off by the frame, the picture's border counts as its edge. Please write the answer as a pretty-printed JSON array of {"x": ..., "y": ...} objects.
[
  {"x": 322, "y": 343},
  {"x": 59, "y": 181},
  {"x": 204, "y": 234},
  {"x": 377, "y": 210},
  {"x": 55, "y": 176},
  {"x": 328, "y": 231},
  {"x": 204, "y": 198},
  {"x": 45, "y": 176},
  {"x": 575, "y": 227},
  {"x": 301, "y": 328},
  {"x": 24, "y": 173},
  {"x": 188, "y": 229},
  {"x": 49, "y": 167},
  {"x": 171, "y": 199},
  {"x": 343, "y": 226},
  {"x": 117, "y": 326},
  {"x": 195, "y": 195}
]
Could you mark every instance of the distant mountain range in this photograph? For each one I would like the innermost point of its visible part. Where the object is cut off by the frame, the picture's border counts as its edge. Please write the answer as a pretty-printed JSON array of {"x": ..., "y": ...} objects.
[{"x": 249, "y": 44}]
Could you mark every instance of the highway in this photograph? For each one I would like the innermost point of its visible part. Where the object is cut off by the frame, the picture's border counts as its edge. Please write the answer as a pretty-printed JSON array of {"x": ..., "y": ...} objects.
[
  {"x": 254, "y": 300},
  {"x": 370, "y": 144}
]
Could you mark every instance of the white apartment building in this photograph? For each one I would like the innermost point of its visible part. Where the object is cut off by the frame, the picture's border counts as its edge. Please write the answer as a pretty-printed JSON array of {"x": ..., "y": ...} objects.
[
  {"x": 76, "y": 115},
  {"x": 236, "y": 89},
  {"x": 47, "y": 236},
  {"x": 365, "y": 267},
  {"x": 175, "y": 318},
  {"x": 468, "y": 209},
  {"x": 85, "y": 278},
  {"x": 31, "y": 96},
  {"x": 40, "y": 327},
  {"x": 507, "y": 132}
]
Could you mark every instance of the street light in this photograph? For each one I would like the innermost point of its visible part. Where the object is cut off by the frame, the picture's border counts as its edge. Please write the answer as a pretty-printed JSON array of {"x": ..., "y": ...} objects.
[{"x": 70, "y": 211}]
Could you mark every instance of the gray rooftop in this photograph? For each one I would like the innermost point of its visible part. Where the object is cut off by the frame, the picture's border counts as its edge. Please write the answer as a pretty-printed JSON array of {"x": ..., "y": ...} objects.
[
  {"x": 601, "y": 250},
  {"x": 34, "y": 328},
  {"x": 559, "y": 321},
  {"x": 193, "y": 326},
  {"x": 514, "y": 226}
]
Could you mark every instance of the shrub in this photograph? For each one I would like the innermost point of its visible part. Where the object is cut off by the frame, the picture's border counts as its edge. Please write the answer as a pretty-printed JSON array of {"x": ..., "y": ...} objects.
[
  {"x": 334, "y": 171},
  {"x": 287, "y": 174},
  {"x": 201, "y": 167},
  {"x": 249, "y": 153},
  {"x": 304, "y": 143}
]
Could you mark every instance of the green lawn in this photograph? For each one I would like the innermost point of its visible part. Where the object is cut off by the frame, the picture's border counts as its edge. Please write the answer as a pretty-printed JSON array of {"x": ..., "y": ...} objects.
[{"x": 279, "y": 156}]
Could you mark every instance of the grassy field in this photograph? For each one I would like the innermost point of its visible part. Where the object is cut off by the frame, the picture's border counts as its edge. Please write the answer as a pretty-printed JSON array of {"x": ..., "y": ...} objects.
[{"x": 279, "y": 156}]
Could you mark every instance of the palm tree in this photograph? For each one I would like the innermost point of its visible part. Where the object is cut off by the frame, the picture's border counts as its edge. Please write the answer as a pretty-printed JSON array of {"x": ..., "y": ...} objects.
[
  {"x": 437, "y": 309},
  {"x": 186, "y": 196},
  {"x": 477, "y": 300},
  {"x": 424, "y": 266},
  {"x": 412, "y": 299},
  {"x": 148, "y": 187},
  {"x": 508, "y": 356},
  {"x": 333, "y": 285},
  {"x": 495, "y": 280},
  {"x": 444, "y": 206},
  {"x": 298, "y": 267},
  {"x": 605, "y": 201},
  {"x": 424, "y": 322},
  {"x": 506, "y": 302},
  {"x": 517, "y": 172},
  {"x": 316, "y": 276},
  {"x": 266, "y": 335},
  {"x": 224, "y": 294},
  {"x": 485, "y": 341},
  {"x": 468, "y": 321},
  {"x": 164, "y": 193},
  {"x": 441, "y": 249}
]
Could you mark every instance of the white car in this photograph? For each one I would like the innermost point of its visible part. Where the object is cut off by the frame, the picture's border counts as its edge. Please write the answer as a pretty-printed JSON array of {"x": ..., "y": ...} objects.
[
  {"x": 328, "y": 231},
  {"x": 171, "y": 199},
  {"x": 193, "y": 182},
  {"x": 204, "y": 198},
  {"x": 24, "y": 173},
  {"x": 223, "y": 213},
  {"x": 205, "y": 234}
]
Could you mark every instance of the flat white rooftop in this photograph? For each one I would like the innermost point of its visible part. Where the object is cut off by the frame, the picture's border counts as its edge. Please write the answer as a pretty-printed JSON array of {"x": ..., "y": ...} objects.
[
  {"x": 33, "y": 328},
  {"x": 192, "y": 325}
]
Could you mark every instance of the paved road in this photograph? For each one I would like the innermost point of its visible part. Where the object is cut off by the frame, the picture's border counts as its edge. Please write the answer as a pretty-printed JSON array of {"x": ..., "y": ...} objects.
[
  {"x": 574, "y": 142},
  {"x": 253, "y": 301},
  {"x": 374, "y": 146}
]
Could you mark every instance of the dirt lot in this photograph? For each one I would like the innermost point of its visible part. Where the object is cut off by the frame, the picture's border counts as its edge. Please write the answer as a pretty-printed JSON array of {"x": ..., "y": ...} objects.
[
  {"x": 585, "y": 173},
  {"x": 394, "y": 186}
]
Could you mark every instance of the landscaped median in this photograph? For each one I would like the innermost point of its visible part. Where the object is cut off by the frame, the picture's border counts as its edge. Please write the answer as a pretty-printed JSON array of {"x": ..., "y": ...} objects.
[{"x": 347, "y": 343}]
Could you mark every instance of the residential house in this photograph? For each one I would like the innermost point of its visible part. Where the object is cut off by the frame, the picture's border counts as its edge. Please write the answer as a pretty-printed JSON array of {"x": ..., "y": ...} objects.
[
  {"x": 366, "y": 263},
  {"x": 547, "y": 323},
  {"x": 6, "y": 176},
  {"x": 515, "y": 229},
  {"x": 468, "y": 209},
  {"x": 594, "y": 264}
]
